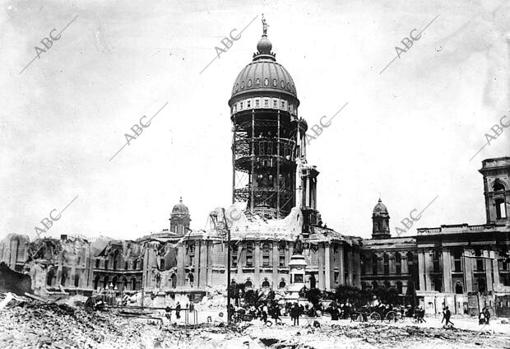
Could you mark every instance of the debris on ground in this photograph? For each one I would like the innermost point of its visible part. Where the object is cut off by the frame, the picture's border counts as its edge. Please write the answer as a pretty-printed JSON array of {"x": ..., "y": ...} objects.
[{"x": 28, "y": 323}]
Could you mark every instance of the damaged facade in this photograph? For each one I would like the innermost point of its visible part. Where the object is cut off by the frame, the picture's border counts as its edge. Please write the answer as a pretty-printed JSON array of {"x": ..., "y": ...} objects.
[{"x": 274, "y": 201}]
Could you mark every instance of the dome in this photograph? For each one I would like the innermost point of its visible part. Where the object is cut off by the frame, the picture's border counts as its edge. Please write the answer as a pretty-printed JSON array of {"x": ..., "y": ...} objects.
[
  {"x": 380, "y": 209},
  {"x": 264, "y": 73},
  {"x": 180, "y": 208}
]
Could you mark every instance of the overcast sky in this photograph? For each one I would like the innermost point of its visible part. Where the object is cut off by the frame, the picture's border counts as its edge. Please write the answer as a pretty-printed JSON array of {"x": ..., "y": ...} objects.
[{"x": 407, "y": 134}]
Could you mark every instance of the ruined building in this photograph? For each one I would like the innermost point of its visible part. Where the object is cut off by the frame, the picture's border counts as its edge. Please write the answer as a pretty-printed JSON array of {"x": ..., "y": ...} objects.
[{"x": 274, "y": 201}]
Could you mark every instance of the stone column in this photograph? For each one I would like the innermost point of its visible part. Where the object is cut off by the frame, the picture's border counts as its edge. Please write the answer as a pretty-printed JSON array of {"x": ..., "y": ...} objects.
[
  {"x": 468, "y": 271},
  {"x": 495, "y": 267},
  {"x": 447, "y": 271},
  {"x": 203, "y": 264},
  {"x": 181, "y": 255},
  {"x": 349, "y": 266},
  {"x": 421, "y": 270},
  {"x": 320, "y": 263},
  {"x": 428, "y": 269},
  {"x": 488, "y": 270},
  {"x": 357, "y": 265},
  {"x": 403, "y": 263},
  {"x": 209, "y": 261},
  {"x": 257, "y": 264},
  {"x": 341, "y": 266},
  {"x": 327, "y": 267},
  {"x": 276, "y": 262}
]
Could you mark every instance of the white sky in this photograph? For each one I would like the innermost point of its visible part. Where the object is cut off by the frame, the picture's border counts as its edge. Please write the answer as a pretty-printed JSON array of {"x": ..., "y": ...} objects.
[{"x": 406, "y": 135}]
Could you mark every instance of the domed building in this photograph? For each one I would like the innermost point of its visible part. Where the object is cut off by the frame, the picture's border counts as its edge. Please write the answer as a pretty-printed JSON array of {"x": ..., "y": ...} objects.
[
  {"x": 180, "y": 219},
  {"x": 381, "y": 221}
]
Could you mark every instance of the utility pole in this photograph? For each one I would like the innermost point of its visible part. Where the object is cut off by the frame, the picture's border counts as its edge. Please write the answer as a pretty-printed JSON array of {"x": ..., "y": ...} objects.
[{"x": 228, "y": 265}]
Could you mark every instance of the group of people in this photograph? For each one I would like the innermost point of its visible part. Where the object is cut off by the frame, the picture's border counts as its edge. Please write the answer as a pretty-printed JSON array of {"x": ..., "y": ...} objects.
[
  {"x": 178, "y": 308},
  {"x": 270, "y": 312},
  {"x": 484, "y": 316}
]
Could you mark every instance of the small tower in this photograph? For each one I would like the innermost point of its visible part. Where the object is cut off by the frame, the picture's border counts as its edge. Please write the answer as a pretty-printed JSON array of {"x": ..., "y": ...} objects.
[
  {"x": 180, "y": 219},
  {"x": 380, "y": 222},
  {"x": 496, "y": 185}
]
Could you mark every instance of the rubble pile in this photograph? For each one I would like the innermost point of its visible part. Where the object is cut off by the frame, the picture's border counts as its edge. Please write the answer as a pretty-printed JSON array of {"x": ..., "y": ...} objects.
[
  {"x": 40, "y": 325},
  {"x": 29, "y": 323}
]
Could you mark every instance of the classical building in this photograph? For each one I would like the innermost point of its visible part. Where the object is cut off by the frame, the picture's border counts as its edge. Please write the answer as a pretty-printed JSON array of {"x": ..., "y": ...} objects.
[{"x": 274, "y": 203}]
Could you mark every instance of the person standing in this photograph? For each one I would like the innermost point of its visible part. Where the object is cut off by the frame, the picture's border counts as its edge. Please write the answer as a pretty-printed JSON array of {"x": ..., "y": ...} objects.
[
  {"x": 178, "y": 310},
  {"x": 446, "y": 317},
  {"x": 487, "y": 314},
  {"x": 294, "y": 313}
]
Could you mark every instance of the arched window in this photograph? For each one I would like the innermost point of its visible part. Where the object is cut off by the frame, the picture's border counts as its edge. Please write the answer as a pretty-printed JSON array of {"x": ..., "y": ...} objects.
[
  {"x": 235, "y": 251},
  {"x": 133, "y": 283},
  {"x": 266, "y": 252},
  {"x": 458, "y": 288},
  {"x": 96, "y": 282},
  {"x": 124, "y": 284},
  {"x": 64, "y": 276},
  {"x": 106, "y": 264},
  {"x": 248, "y": 284},
  {"x": 363, "y": 263},
  {"x": 374, "y": 264},
  {"x": 97, "y": 263},
  {"x": 386, "y": 260},
  {"x": 135, "y": 264},
  {"x": 498, "y": 186},
  {"x": 249, "y": 254},
  {"x": 76, "y": 280},
  {"x": 173, "y": 281},
  {"x": 500, "y": 202},
  {"x": 266, "y": 283},
  {"x": 399, "y": 287},
  {"x": 115, "y": 259},
  {"x": 313, "y": 281},
  {"x": 191, "y": 278},
  {"x": 410, "y": 263},
  {"x": 49, "y": 277},
  {"x": 398, "y": 264},
  {"x": 282, "y": 284},
  {"x": 281, "y": 250}
]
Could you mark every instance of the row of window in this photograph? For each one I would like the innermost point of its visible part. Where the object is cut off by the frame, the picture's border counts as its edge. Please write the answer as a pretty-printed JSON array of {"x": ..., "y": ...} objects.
[
  {"x": 374, "y": 261},
  {"x": 266, "y": 255},
  {"x": 255, "y": 103},
  {"x": 288, "y": 86},
  {"x": 116, "y": 263}
]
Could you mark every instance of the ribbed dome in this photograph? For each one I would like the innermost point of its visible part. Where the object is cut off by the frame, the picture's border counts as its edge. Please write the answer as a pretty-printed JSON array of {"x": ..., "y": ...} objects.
[
  {"x": 264, "y": 73},
  {"x": 180, "y": 208},
  {"x": 380, "y": 208}
]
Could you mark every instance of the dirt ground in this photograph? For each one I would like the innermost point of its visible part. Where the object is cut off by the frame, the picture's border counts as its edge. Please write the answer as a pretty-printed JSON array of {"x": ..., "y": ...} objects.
[{"x": 31, "y": 325}]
